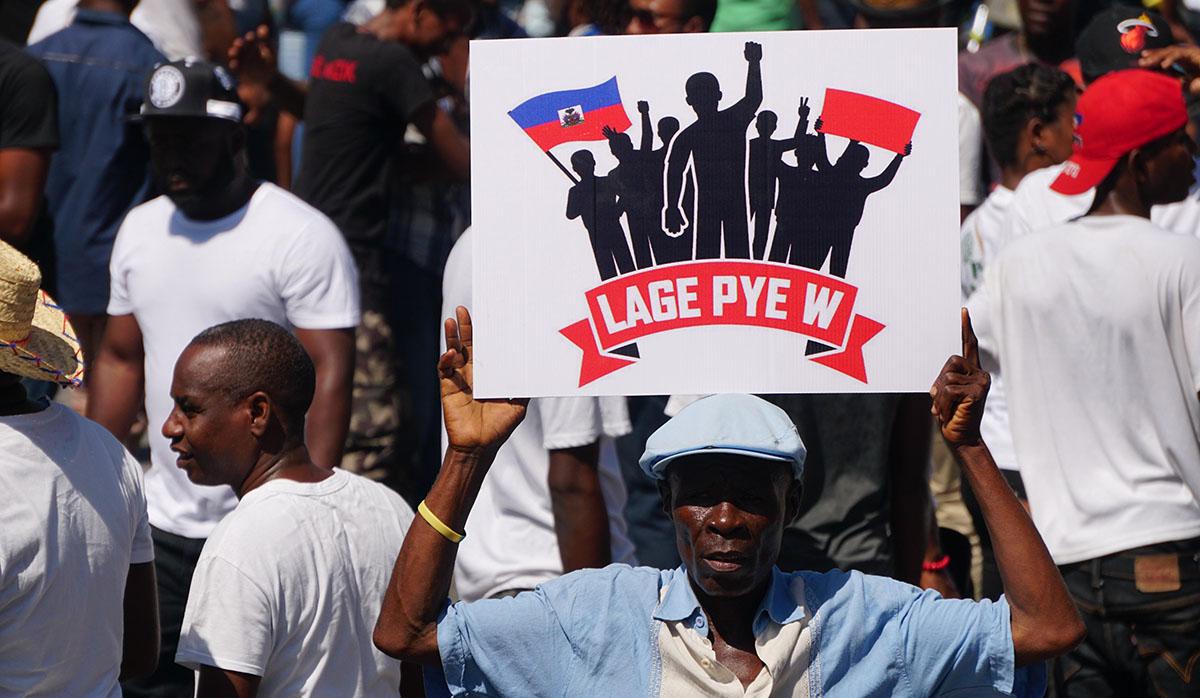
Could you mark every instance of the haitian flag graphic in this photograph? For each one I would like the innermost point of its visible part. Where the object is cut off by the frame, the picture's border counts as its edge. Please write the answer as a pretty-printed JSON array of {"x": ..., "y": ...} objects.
[
  {"x": 560, "y": 117},
  {"x": 719, "y": 209}
]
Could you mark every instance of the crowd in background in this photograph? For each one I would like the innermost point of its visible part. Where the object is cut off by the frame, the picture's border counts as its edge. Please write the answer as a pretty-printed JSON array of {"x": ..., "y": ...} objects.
[{"x": 172, "y": 165}]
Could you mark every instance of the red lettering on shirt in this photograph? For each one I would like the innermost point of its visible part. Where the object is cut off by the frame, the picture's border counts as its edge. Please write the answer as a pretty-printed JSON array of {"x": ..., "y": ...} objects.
[{"x": 336, "y": 70}]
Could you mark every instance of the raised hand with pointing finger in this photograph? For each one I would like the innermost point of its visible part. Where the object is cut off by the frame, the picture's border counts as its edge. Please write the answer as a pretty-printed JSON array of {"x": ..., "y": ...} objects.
[{"x": 960, "y": 391}]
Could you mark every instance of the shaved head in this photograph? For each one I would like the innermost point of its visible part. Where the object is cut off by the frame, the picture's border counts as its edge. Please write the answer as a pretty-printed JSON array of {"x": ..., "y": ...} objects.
[{"x": 258, "y": 355}]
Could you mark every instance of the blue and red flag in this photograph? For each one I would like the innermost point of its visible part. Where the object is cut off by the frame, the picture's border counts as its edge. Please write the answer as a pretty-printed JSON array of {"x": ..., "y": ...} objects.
[{"x": 572, "y": 115}]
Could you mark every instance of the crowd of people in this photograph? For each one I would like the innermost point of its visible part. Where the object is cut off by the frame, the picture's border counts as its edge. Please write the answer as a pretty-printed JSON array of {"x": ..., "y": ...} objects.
[{"x": 241, "y": 454}]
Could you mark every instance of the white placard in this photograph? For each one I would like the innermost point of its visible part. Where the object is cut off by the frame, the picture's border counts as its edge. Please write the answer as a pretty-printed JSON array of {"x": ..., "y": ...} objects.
[{"x": 728, "y": 260}]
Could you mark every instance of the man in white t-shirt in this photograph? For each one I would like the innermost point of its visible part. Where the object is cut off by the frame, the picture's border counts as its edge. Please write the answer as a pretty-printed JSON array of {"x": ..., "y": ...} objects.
[
  {"x": 77, "y": 606},
  {"x": 289, "y": 585},
  {"x": 1028, "y": 115},
  {"x": 218, "y": 246},
  {"x": 1097, "y": 325},
  {"x": 556, "y": 502}
]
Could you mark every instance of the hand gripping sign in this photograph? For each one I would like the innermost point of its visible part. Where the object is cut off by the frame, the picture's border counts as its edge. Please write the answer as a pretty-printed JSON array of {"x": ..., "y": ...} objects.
[{"x": 762, "y": 294}]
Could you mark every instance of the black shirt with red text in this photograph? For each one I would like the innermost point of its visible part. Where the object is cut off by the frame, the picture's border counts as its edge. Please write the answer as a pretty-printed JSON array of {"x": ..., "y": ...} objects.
[{"x": 362, "y": 94}]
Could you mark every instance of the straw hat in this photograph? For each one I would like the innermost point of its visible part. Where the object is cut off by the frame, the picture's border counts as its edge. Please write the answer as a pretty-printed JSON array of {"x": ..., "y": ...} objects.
[{"x": 36, "y": 341}]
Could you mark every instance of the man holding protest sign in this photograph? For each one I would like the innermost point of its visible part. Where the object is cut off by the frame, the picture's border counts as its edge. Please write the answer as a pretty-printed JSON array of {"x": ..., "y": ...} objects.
[{"x": 729, "y": 471}]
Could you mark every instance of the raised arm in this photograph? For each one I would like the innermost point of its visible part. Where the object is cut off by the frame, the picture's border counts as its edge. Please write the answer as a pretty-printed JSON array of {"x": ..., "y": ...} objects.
[
  {"x": 885, "y": 178},
  {"x": 1045, "y": 623},
  {"x": 407, "y": 626},
  {"x": 822, "y": 160},
  {"x": 328, "y": 420},
  {"x": 115, "y": 383},
  {"x": 647, "y": 143},
  {"x": 251, "y": 58},
  {"x": 748, "y": 105}
]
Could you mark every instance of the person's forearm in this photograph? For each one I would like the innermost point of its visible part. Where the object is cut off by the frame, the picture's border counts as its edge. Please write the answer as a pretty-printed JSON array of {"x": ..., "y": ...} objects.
[
  {"x": 754, "y": 89},
  {"x": 580, "y": 515},
  {"x": 1043, "y": 616},
  {"x": 289, "y": 95},
  {"x": 329, "y": 417},
  {"x": 114, "y": 393},
  {"x": 407, "y": 626}
]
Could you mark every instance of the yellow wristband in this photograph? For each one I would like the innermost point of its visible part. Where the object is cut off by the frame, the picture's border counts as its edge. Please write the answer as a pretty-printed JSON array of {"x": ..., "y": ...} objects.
[{"x": 448, "y": 533}]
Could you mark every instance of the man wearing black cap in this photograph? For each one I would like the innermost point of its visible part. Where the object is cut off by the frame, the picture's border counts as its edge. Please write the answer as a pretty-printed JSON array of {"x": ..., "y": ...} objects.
[
  {"x": 1097, "y": 325},
  {"x": 219, "y": 246},
  {"x": 727, "y": 622}
]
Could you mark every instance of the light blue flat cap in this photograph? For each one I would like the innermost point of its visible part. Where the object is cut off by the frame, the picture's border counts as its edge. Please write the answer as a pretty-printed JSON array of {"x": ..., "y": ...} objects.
[{"x": 739, "y": 424}]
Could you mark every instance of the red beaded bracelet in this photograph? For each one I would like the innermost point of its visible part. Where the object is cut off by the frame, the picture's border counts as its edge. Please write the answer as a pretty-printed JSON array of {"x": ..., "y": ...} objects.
[{"x": 937, "y": 565}]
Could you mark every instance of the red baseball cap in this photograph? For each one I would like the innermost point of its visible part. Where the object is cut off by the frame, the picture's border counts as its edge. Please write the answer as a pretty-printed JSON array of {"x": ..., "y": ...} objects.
[{"x": 1117, "y": 113}]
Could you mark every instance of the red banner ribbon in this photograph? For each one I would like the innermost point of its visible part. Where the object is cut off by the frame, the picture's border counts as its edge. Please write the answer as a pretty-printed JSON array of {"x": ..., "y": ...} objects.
[{"x": 721, "y": 292}]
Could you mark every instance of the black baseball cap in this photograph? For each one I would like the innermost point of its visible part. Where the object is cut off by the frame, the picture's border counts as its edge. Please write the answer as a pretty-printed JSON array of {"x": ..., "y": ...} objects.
[
  {"x": 1116, "y": 37},
  {"x": 191, "y": 87}
]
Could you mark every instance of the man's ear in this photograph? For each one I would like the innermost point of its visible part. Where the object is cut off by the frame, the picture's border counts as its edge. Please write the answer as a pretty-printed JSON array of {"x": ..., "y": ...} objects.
[
  {"x": 792, "y": 512},
  {"x": 664, "y": 495},
  {"x": 260, "y": 413}
]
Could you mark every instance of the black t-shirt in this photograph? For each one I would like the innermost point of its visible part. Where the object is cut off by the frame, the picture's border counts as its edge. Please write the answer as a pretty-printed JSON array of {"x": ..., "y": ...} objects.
[
  {"x": 362, "y": 94},
  {"x": 29, "y": 119},
  {"x": 28, "y": 102}
]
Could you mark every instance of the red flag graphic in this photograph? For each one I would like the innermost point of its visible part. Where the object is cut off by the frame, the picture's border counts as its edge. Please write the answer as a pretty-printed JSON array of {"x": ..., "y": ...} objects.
[{"x": 868, "y": 119}]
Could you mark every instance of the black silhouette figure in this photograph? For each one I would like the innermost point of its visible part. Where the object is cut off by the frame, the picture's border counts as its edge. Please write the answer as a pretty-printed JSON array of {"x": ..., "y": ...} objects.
[
  {"x": 676, "y": 246},
  {"x": 842, "y": 192},
  {"x": 636, "y": 177},
  {"x": 594, "y": 199},
  {"x": 799, "y": 239},
  {"x": 715, "y": 145},
  {"x": 765, "y": 158}
]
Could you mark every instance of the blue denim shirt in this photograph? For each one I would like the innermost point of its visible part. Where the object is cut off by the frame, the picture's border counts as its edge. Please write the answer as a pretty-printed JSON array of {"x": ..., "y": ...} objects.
[
  {"x": 101, "y": 170},
  {"x": 595, "y": 632}
]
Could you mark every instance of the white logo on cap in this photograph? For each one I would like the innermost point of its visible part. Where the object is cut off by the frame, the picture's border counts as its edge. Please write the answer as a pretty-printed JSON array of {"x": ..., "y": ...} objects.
[
  {"x": 223, "y": 77},
  {"x": 166, "y": 87}
]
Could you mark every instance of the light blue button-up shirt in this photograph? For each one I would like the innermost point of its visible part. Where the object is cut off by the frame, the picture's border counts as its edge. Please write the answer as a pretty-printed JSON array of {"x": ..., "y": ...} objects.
[{"x": 595, "y": 632}]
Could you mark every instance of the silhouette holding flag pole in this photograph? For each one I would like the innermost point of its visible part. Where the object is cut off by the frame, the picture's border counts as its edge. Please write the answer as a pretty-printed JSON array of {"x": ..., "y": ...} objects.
[{"x": 567, "y": 116}]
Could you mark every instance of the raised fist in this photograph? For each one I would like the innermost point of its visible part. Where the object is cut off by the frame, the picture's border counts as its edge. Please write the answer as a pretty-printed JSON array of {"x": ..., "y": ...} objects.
[
  {"x": 643, "y": 107},
  {"x": 753, "y": 51}
]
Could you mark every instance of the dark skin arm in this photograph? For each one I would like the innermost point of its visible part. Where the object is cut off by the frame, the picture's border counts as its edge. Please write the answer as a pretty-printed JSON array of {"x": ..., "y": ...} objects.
[
  {"x": 910, "y": 500},
  {"x": 22, "y": 178},
  {"x": 449, "y": 143},
  {"x": 223, "y": 683},
  {"x": 139, "y": 653},
  {"x": 328, "y": 421},
  {"x": 476, "y": 429},
  {"x": 580, "y": 516},
  {"x": 1045, "y": 623},
  {"x": 253, "y": 60},
  {"x": 116, "y": 382}
]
